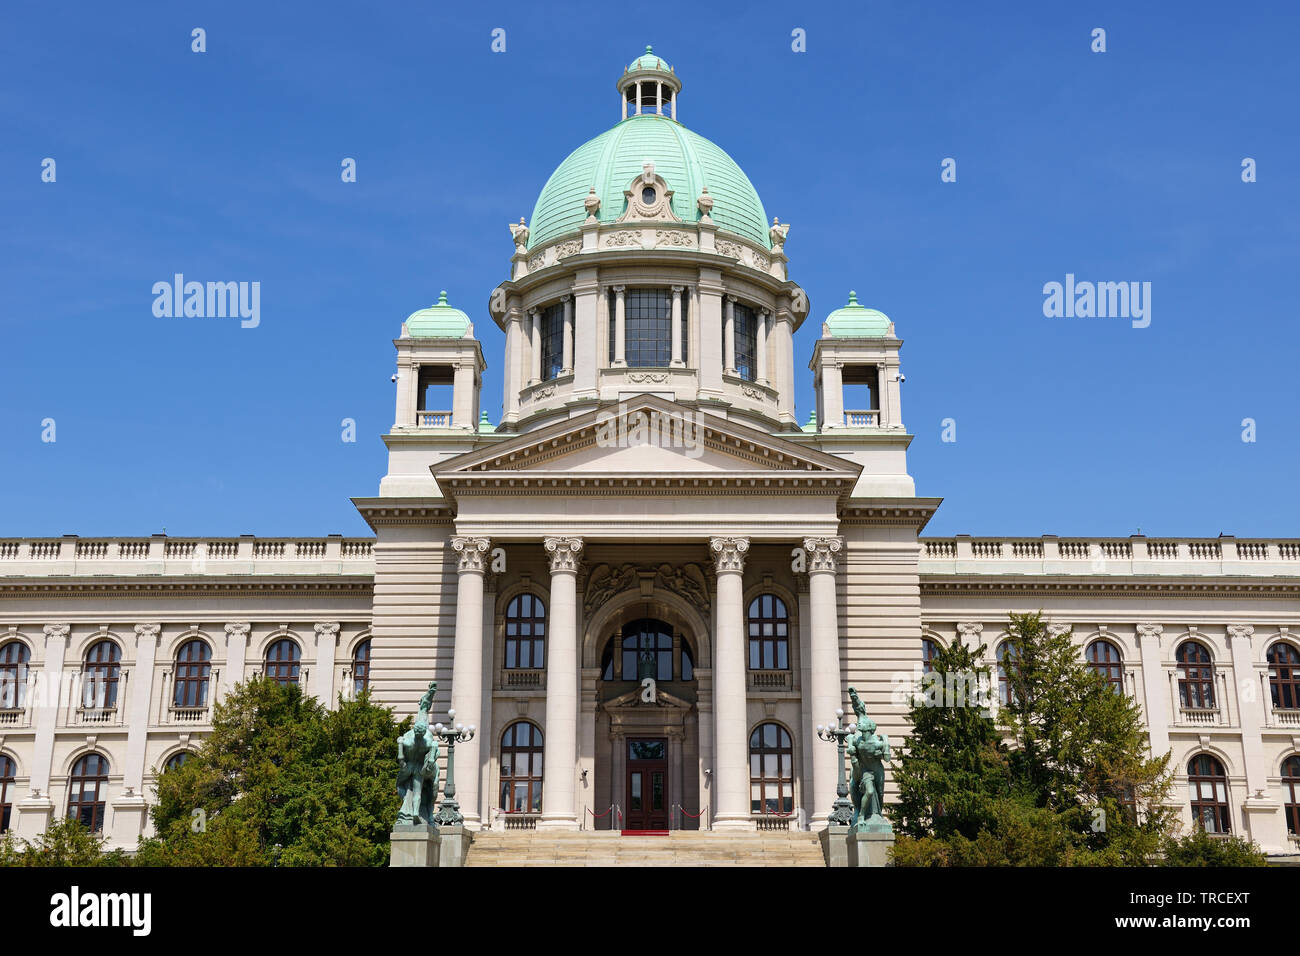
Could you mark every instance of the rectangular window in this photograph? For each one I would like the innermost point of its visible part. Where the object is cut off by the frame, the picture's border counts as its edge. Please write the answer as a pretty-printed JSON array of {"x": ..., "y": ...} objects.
[
  {"x": 647, "y": 328},
  {"x": 746, "y": 331},
  {"x": 552, "y": 341}
]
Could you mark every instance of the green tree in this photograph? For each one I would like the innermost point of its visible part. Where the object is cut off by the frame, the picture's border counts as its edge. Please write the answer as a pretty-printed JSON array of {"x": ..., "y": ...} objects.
[
  {"x": 1063, "y": 777},
  {"x": 1200, "y": 849},
  {"x": 64, "y": 843},
  {"x": 281, "y": 780}
]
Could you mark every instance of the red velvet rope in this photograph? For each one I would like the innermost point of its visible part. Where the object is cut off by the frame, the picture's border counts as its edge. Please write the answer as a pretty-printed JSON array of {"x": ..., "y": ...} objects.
[
  {"x": 693, "y": 816},
  {"x": 603, "y": 813}
]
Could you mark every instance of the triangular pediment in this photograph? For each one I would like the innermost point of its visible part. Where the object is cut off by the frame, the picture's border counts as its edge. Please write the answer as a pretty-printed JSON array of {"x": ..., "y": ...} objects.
[{"x": 648, "y": 438}]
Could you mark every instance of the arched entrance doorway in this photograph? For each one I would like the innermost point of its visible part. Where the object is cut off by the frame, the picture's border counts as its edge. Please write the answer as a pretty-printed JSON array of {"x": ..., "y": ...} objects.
[{"x": 645, "y": 714}]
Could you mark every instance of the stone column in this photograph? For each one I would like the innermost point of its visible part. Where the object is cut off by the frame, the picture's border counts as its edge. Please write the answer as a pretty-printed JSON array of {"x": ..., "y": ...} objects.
[
  {"x": 729, "y": 336},
  {"x": 808, "y": 743},
  {"x": 129, "y": 807},
  {"x": 560, "y": 741},
  {"x": 638, "y": 97},
  {"x": 487, "y": 727},
  {"x": 620, "y": 328},
  {"x": 1261, "y": 810},
  {"x": 760, "y": 348},
  {"x": 327, "y": 639},
  {"x": 567, "y": 367},
  {"x": 672, "y": 100},
  {"x": 826, "y": 690},
  {"x": 236, "y": 649},
  {"x": 832, "y": 392},
  {"x": 514, "y": 361},
  {"x": 467, "y": 668},
  {"x": 589, "y": 349},
  {"x": 677, "y": 326},
  {"x": 731, "y": 737},
  {"x": 783, "y": 351},
  {"x": 536, "y": 338},
  {"x": 35, "y": 810},
  {"x": 1154, "y": 687}
]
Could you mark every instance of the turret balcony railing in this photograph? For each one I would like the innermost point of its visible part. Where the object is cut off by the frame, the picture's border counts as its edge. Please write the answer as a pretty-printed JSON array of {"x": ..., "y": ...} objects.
[
  {"x": 427, "y": 419},
  {"x": 864, "y": 418}
]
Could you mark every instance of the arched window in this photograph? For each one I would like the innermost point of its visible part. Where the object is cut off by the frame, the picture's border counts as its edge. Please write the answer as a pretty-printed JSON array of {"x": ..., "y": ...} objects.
[
  {"x": 193, "y": 668},
  {"x": 1284, "y": 676},
  {"x": 1104, "y": 658},
  {"x": 521, "y": 768},
  {"x": 607, "y": 661},
  {"x": 647, "y": 650},
  {"x": 1208, "y": 784},
  {"x": 1195, "y": 677},
  {"x": 1291, "y": 793},
  {"x": 771, "y": 770},
  {"x": 769, "y": 634},
  {"x": 176, "y": 760},
  {"x": 361, "y": 667},
  {"x": 688, "y": 662},
  {"x": 929, "y": 650},
  {"x": 99, "y": 676},
  {"x": 526, "y": 633},
  {"x": 1007, "y": 654},
  {"x": 13, "y": 675},
  {"x": 283, "y": 661},
  {"x": 7, "y": 772},
  {"x": 87, "y": 791}
]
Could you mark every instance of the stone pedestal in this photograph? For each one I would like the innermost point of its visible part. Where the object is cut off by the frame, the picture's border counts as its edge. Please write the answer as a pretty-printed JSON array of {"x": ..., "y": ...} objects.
[
  {"x": 454, "y": 848},
  {"x": 414, "y": 844},
  {"x": 870, "y": 848},
  {"x": 835, "y": 845}
]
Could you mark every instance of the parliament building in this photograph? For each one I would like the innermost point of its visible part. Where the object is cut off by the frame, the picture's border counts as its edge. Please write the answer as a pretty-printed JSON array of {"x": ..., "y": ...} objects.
[{"x": 653, "y": 577}]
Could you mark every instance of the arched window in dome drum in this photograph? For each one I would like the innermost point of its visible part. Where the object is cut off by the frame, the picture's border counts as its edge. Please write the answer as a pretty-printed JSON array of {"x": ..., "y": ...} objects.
[
  {"x": 746, "y": 342},
  {"x": 552, "y": 341}
]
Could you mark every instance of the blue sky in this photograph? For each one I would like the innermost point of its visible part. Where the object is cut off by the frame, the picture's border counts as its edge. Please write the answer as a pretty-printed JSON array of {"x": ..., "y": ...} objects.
[{"x": 1115, "y": 166}]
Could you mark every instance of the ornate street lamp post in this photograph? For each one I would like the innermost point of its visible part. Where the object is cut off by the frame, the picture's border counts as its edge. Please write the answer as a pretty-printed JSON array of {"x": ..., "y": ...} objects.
[
  {"x": 842, "y": 812},
  {"x": 449, "y": 810}
]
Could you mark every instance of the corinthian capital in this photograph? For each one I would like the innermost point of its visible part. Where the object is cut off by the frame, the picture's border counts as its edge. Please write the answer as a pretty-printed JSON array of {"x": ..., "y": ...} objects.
[
  {"x": 1150, "y": 630},
  {"x": 1241, "y": 631},
  {"x": 56, "y": 630},
  {"x": 472, "y": 551},
  {"x": 564, "y": 554},
  {"x": 326, "y": 629},
  {"x": 821, "y": 553},
  {"x": 147, "y": 632},
  {"x": 238, "y": 628},
  {"x": 728, "y": 553}
]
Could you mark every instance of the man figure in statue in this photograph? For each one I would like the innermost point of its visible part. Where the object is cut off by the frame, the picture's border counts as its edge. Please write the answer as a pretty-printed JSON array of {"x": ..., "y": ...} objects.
[
  {"x": 868, "y": 752},
  {"x": 417, "y": 773}
]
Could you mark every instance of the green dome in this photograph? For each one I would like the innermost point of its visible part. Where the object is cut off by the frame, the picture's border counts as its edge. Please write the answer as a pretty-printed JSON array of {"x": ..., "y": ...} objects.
[
  {"x": 438, "y": 321},
  {"x": 648, "y": 61},
  {"x": 687, "y": 161},
  {"x": 857, "y": 321}
]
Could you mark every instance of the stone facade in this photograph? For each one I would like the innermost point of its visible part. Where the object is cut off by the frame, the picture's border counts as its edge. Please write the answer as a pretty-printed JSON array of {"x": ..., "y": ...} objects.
[{"x": 647, "y": 584}]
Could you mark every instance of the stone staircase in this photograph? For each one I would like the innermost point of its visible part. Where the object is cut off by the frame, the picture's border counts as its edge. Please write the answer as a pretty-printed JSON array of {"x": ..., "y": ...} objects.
[{"x": 610, "y": 848}]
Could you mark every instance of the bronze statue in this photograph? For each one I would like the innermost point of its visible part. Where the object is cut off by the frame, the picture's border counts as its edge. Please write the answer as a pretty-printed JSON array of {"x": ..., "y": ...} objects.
[
  {"x": 868, "y": 752},
  {"x": 417, "y": 773}
]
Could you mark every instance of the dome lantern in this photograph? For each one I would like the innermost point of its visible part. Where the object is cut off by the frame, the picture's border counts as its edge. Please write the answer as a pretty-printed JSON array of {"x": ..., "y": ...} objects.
[{"x": 649, "y": 86}]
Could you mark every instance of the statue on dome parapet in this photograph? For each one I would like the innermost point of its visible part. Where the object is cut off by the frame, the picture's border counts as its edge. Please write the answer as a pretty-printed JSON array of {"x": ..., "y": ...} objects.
[{"x": 777, "y": 234}]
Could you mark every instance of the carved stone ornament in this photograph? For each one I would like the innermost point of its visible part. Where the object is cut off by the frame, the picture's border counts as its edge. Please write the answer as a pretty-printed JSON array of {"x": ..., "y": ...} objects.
[
  {"x": 729, "y": 553},
  {"x": 624, "y": 237},
  {"x": 726, "y": 247},
  {"x": 603, "y": 583},
  {"x": 519, "y": 234},
  {"x": 761, "y": 261},
  {"x": 148, "y": 630},
  {"x": 472, "y": 552},
  {"x": 569, "y": 247},
  {"x": 821, "y": 553},
  {"x": 564, "y": 553},
  {"x": 592, "y": 205},
  {"x": 777, "y": 234},
  {"x": 648, "y": 197},
  {"x": 689, "y": 581},
  {"x": 1241, "y": 631},
  {"x": 705, "y": 205},
  {"x": 640, "y": 378},
  {"x": 56, "y": 630},
  {"x": 1150, "y": 630},
  {"x": 536, "y": 262},
  {"x": 238, "y": 628},
  {"x": 672, "y": 237}
]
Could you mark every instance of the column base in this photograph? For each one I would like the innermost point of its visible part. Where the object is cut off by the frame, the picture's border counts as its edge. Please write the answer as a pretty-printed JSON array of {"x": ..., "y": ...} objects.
[
  {"x": 34, "y": 816},
  {"x": 734, "y": 822},
  {"x": 557, "y": 823},
  {"x": 835, "y": 844}
]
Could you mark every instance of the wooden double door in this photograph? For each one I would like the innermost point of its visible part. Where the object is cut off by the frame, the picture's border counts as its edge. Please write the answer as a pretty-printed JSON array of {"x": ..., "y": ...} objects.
[{"x": 647, "y": 784}]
